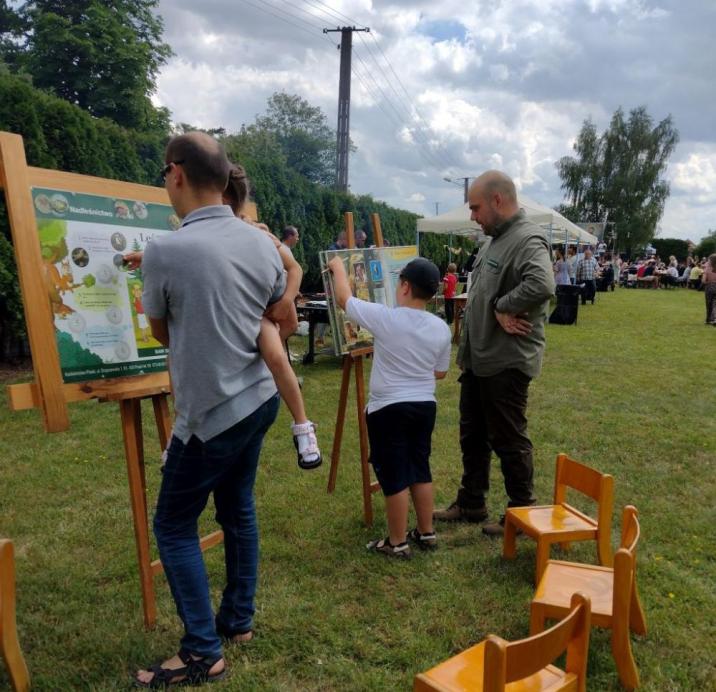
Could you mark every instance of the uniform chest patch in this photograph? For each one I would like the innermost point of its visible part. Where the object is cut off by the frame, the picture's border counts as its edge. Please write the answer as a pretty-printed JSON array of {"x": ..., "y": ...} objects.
[{"x": 493, "y": 263}]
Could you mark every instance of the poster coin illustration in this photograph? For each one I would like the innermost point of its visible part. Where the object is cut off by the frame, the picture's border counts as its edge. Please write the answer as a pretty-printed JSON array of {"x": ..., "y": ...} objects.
[
  {"x": 122, "y": 350},
  {"x": 77, "y": 323},
  {"x": 114, "y": 314}
]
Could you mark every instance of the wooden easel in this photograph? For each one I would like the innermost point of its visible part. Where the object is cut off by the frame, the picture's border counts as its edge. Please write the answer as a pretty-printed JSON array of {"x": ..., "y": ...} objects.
[
  {"x": 48, "y": 392},
  {"x": 355, "y": 358}
]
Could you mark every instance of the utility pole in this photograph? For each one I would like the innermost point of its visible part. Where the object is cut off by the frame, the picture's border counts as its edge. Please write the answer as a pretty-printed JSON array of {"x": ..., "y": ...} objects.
[
  {"x": 466, "y": 184},
  {"x": 344, "y": 105}
]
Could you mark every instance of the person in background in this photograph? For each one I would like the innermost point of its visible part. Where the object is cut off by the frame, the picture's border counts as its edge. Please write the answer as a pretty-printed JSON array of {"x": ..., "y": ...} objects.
[
  {"x": 290, "y": 237},
  {"x": 709, "y": 282},
  {"x": 470, "y": 264},
  {"x": 450, "y": 283},
  {"x": 340, "y": 242},
  {"x": 361, "y": 237},
  {"x": 695, "y": 276},
  {"x": 560, "y": 269},
  {"x": 571, "y": 261},
  {"x": 586, "y": 273}
]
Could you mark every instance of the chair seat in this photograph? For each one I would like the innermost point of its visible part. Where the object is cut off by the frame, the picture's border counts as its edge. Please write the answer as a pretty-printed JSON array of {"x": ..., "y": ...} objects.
[
  {"x": 465, "y": 672},
  {"x": 553, "y": 519},
  {"x": 561, "y": 579}
]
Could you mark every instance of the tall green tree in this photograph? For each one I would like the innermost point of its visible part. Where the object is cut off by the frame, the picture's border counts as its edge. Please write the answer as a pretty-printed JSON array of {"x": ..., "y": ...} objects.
[
  {"x": 11, "y": 29},
  {"x": 303, "y": 133},
  {"x": 620, "y": 174},
  {"x": 707, "y": 246},
  {"x": 103, "y": 56}
]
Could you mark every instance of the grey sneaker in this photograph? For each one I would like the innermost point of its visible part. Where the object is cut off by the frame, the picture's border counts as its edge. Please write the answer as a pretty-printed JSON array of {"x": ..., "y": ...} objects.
[
  {"x": 384, "y": 546},
  {"x": 456, "y": 513},
  {"x": 424, "y": 541}
]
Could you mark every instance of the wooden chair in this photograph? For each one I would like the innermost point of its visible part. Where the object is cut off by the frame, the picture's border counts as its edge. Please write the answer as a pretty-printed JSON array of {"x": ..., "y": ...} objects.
[
  {"x": 613, "y": 593},
  {"x": 562, "y": 523},
  {"x": 9, "y": 646},
  {"x": 525, "y": 665}
]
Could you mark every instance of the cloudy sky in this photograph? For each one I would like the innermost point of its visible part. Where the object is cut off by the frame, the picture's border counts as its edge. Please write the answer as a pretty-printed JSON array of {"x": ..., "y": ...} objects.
[{"x": 447, "y": 88}]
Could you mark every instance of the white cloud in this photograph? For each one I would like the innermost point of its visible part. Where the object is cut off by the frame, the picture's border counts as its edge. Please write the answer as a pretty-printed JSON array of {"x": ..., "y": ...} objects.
[{"x": 512, "y": 95}]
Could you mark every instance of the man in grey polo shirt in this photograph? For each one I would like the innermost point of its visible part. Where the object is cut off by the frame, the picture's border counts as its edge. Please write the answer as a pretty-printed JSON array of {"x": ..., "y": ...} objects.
[
  {"x": 206, "y": 287},
  {"x": 501, "y": 349}
]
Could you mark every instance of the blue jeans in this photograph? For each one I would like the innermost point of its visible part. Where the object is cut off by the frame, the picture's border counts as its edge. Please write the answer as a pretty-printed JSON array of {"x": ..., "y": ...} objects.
[{"x": 225, "y": 465}]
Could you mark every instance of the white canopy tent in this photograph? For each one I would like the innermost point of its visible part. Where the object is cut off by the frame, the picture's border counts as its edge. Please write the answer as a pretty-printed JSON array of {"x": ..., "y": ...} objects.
[{"x": 559, "y": 229}]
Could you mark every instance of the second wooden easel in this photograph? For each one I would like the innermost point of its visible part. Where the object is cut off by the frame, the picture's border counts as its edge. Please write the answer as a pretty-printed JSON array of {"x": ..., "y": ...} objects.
[{"x": 355, "y": 358}]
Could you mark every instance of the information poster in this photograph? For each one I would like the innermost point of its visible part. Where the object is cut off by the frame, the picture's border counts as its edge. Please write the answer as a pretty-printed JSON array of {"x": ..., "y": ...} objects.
[
  {"x": 96, "y": 301},
  {"x": 373, "y": 274}
]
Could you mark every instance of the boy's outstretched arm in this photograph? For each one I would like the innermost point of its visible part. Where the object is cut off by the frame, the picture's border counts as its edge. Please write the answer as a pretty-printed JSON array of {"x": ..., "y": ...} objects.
[{"x": 340, "y": 280}]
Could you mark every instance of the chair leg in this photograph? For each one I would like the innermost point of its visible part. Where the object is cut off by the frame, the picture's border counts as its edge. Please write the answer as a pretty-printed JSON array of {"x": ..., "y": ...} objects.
[
  {"x": 9, "y": 645},
  {"x": 542, "y": 557},
  {"x": 637, "y": 619},
  {"x": 536, "y": 619},
  {"x": 624, "y": 659},
  {"x": 509, "y": 541}
]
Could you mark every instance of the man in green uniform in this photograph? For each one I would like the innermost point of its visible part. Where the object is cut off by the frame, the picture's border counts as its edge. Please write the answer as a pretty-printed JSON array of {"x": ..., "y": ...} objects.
[{"x": 500, "y": 350}]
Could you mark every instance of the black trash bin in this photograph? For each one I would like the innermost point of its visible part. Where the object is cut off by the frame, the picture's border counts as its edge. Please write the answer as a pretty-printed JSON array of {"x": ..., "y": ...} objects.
[{"x": 565, "y": 312}]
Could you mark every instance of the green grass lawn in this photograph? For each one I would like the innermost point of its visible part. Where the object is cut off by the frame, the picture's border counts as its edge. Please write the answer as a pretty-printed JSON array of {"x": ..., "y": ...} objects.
[{"x": 629, "y": 390}]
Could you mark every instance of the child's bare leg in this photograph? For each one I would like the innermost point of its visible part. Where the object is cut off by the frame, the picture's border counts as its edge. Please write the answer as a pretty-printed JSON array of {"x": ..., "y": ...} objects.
[
  {"x": 422, "y": 494},
  {"x": 396, "y": 509},
  {"x": 276, "y": 359}
]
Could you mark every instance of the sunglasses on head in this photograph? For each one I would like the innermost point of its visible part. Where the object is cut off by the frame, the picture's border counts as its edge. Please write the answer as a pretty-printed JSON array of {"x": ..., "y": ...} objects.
[{"x": 165, "y": 169}]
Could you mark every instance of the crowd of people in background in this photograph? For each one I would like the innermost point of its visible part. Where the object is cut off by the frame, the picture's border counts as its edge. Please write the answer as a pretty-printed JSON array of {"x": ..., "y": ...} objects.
[
  {"x": 652, "y": 270},
  {"x": 597, "y": 269}
]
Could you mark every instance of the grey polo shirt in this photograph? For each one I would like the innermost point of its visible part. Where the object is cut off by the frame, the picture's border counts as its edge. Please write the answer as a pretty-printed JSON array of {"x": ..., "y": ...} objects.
[{"x": 212, "y": 280}]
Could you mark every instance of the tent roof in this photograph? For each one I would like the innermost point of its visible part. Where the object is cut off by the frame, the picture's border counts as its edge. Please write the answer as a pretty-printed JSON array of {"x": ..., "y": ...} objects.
[{"x": 457, "y": 221}]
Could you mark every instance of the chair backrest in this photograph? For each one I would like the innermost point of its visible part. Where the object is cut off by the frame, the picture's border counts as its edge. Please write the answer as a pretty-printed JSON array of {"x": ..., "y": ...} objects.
[
  {"x": 507, "y": 662},
  {"x": 631, "y": 531},
  {"x": 625, "y": 596},
  {"x": 588, "y": 481}
]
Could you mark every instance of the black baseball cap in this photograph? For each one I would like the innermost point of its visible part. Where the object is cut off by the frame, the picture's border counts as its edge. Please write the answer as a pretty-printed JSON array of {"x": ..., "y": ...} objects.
[{"x": 422, "y": 273}]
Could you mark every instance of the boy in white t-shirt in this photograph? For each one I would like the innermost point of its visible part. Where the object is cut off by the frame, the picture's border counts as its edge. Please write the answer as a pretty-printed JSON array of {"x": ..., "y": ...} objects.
[{"x": 411, "y": 349}]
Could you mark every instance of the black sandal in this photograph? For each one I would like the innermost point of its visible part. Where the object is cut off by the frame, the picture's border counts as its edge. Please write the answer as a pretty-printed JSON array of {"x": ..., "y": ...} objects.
[{"x": 195, "y": 671}]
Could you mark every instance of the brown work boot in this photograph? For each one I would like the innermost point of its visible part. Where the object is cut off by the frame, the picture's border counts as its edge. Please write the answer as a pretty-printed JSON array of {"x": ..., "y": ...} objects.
[
  {"x": 496, "y": 529},
  {"x": 456, "y": 513}
]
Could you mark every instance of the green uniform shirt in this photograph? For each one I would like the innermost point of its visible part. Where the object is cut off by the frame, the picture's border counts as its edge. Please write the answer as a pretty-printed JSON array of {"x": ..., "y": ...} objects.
[{"x": 513, "y": 273}]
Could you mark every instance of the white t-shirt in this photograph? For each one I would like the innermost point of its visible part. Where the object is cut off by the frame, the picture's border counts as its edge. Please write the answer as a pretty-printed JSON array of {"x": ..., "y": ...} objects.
[{"x": 409, "y": 346}]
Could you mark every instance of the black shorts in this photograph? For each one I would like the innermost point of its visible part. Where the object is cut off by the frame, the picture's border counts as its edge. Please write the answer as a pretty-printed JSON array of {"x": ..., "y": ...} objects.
[{"x": 400, "y": 436}]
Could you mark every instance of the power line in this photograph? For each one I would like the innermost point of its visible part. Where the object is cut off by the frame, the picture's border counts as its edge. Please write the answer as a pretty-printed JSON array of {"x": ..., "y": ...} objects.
[
  {"x": 277, "y": 16},
  {"x": 289, "y": 14},
  {"x": 426, "y": 153},
  {"x": 422, "y": 135},
  {"x": 420, "y": 126},
  {"x": 336, "y": 13}
]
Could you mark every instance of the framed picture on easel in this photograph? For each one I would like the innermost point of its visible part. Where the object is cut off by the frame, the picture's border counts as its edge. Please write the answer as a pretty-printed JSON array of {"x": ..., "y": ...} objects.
[{"x": 373, "y": 274}]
